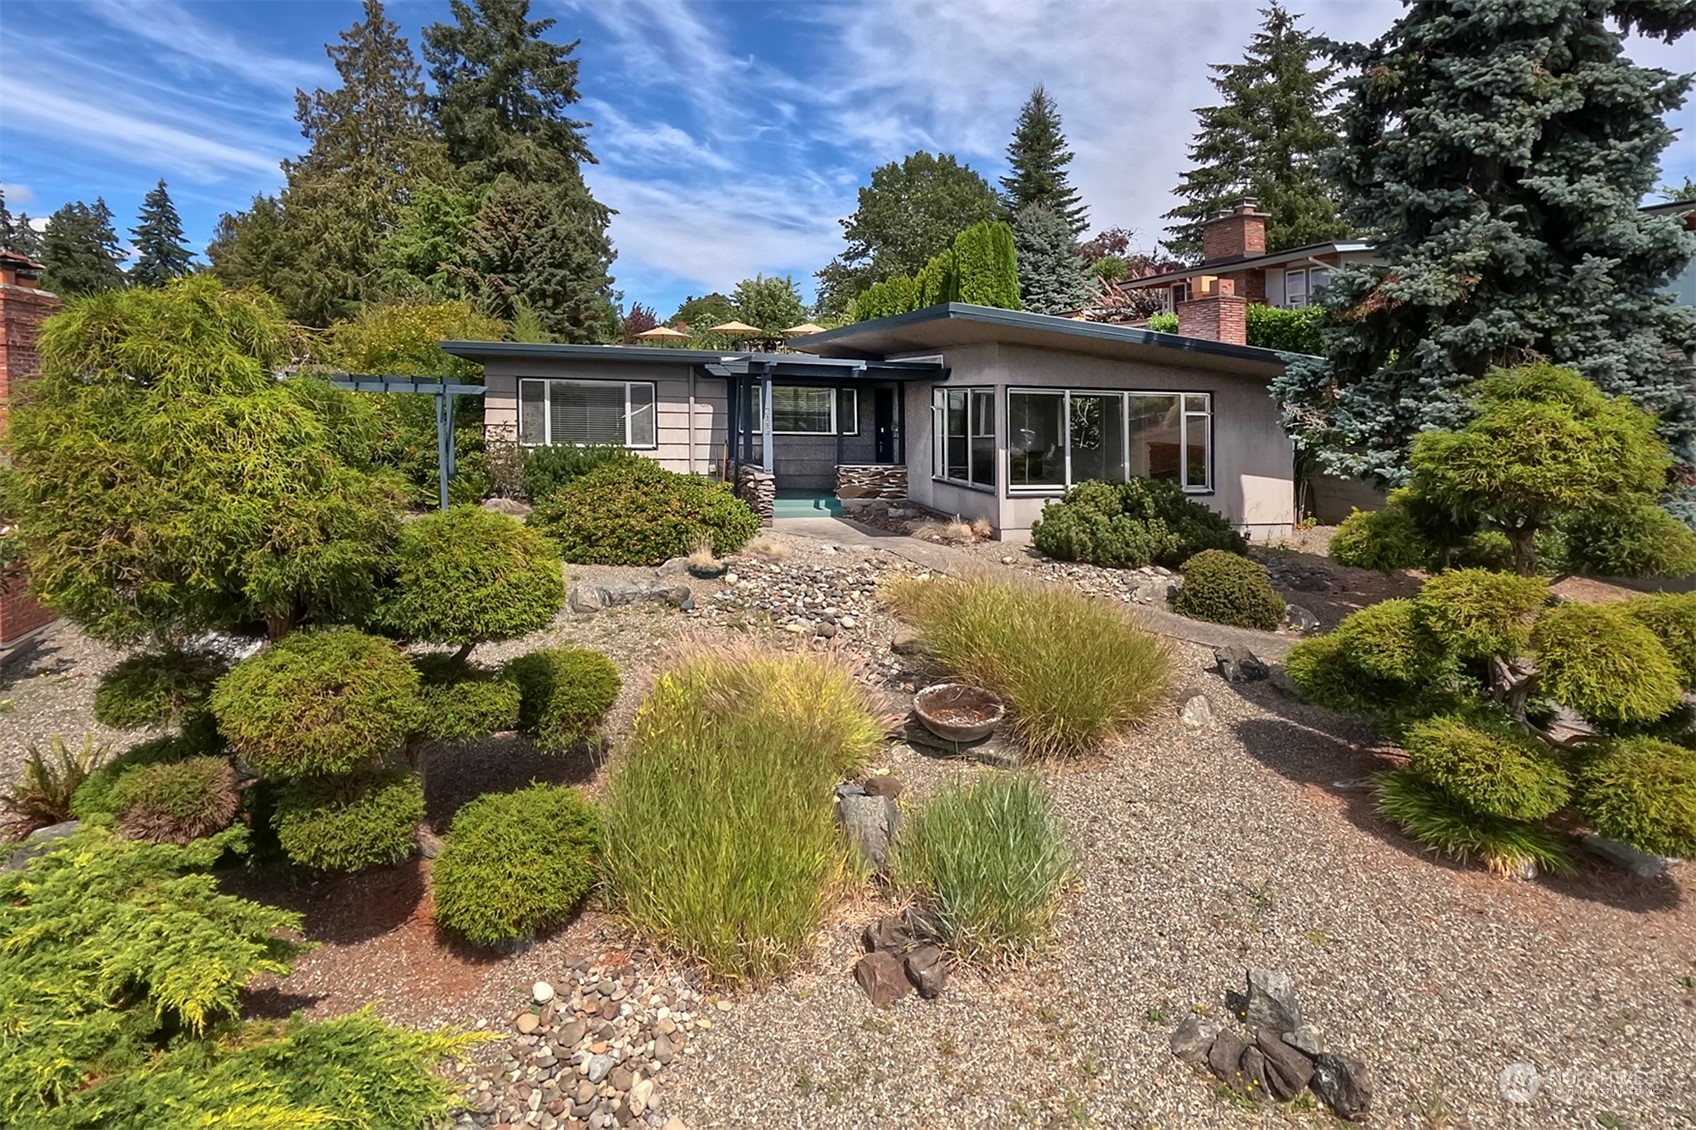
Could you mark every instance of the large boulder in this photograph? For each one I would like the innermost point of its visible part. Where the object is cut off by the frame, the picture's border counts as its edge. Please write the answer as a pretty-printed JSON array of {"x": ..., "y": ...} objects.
[
  {"x": 592, "y": 596},
  {"x": 1341, "y": 1081}
]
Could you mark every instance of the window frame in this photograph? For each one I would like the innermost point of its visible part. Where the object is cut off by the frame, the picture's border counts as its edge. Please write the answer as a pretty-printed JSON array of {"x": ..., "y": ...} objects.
[
  {"x": 547, "y": 384},
  {"x": 837, "y": 392},
  {"x": 1188, "y": 420},
  {"x": 972, "y": 397},
  {"x": 1306, "y": 293}
]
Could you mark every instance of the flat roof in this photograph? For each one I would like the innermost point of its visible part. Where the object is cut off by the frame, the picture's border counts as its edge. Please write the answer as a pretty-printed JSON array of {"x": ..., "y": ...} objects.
[
  {"x": 1249, "y": 262},
  {"x": 954, "y": 324},
  {"x": 711, "y": 362}
]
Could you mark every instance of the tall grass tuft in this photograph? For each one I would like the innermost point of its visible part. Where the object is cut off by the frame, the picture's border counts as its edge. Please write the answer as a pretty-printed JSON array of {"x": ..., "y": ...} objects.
[
  {"x": 1445, "y": 826},
  {"x": 991, "y": 858},
  {"x": 1073, "y": 671},
  {"x": 720, "y": 834}
]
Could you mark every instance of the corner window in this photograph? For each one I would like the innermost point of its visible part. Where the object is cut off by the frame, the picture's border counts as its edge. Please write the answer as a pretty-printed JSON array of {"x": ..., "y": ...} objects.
[
  {"x": 1059, "y": 437},
  {"x": 1295, "y": 289},
  {"x": 964, "y": 424},
  {"x": 803, "y": 411},
  {"x": 586, "y": 413}
]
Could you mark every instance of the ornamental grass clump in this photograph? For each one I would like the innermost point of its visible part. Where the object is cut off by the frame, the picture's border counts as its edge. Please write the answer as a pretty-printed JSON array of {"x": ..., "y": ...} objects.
[
  {"x": 721, "y": 840},
  {"x": 1228, "y": 589},
  {"x": 991, "y": 859},
  {"x": 1073, "y": 671},
  {"x": 516, "y": 864}
]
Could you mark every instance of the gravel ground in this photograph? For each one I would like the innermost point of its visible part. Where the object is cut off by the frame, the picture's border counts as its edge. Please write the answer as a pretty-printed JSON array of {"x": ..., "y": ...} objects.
[{"x": 1202, "y": 852}]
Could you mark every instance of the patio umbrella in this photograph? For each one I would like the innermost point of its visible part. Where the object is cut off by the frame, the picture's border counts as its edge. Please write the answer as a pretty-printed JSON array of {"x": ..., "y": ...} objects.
[
  {"x": 659, "y": 333},
  {"x": 740, "y": 329},
  {"x": 803, "y": 328}
]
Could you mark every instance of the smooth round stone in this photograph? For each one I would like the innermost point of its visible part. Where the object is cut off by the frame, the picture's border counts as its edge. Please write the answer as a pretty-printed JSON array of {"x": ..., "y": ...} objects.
[{"x": 542, "y": 992}]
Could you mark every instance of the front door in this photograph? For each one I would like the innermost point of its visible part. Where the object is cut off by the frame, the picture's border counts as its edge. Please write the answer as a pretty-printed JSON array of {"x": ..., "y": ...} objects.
[{"x": 883, "y": 424}]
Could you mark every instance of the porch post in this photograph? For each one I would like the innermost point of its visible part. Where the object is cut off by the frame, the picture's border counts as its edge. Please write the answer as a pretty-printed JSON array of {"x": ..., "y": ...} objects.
[
  {"x": 901, "y": 424},
  {"x": 731, "y": 423},
  {"x": 836, "y": 403},
  {"x": 765, "y": 418},
  {"x": 444, "y": 446},
  {"x": 748, "y": 422}
]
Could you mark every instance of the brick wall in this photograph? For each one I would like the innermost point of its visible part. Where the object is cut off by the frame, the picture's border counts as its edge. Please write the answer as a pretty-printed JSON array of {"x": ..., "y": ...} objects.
[
  {"x": 1239, "y": 232},
  {"x": 23, "y": 307},
  {"x": 1218, "y": 314}
]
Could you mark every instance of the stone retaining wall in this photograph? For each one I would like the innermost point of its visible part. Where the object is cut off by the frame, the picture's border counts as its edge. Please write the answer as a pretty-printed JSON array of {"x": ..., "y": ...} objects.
[
  {"x": 758, "y": 490},
  {"x": 871, "y": 480}
]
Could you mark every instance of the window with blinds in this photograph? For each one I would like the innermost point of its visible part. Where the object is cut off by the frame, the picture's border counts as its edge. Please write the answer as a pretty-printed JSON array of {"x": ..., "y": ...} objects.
[{"x": 587, "y": 413}]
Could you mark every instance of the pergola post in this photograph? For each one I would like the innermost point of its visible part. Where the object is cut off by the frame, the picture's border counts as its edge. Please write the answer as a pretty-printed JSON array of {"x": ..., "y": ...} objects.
[
  {"x": 444, "y": 447},
  {"x": 765, "y": 419}
]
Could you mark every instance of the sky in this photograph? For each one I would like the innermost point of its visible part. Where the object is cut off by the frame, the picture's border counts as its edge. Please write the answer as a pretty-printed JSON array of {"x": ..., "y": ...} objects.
[{"x": 731, "y": 136}]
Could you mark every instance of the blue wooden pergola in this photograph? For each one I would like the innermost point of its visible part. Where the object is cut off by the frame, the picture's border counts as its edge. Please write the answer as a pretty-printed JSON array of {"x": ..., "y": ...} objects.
[{"x": 443, "y": 391}]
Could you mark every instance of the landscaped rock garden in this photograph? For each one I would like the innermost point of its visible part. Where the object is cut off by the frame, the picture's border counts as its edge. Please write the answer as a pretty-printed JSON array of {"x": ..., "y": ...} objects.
[
  {"x": 596, "y": 1051},
  {"x": 817, "y": 599},
  {"x": 902, "y": 956},
  {"x": 1284, "y": 1055}
]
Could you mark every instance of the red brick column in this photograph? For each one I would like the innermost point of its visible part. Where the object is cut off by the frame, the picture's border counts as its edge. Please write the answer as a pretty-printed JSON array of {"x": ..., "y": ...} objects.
[{"x": 23, "y": 307}]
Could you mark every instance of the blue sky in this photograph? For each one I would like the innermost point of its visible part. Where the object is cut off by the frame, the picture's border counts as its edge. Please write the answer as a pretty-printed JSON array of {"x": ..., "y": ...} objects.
[{"x": 731, "y": 136}]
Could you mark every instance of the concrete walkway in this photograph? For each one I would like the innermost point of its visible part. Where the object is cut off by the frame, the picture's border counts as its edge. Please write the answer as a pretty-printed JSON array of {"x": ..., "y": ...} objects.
[{"x": 950, "y": 560}]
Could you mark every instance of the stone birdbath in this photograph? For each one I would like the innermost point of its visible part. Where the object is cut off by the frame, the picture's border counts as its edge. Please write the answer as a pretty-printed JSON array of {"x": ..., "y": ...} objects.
[{"x": 958, "y": 712}]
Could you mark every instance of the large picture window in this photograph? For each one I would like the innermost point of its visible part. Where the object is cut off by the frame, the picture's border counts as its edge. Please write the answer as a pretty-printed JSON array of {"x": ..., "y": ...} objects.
[
  {"x": 798, "y": 410},
  {"x": 586, "y": 413},
  {"x": 965, "y": 422},
  {"x": 1059, "y": 437}
]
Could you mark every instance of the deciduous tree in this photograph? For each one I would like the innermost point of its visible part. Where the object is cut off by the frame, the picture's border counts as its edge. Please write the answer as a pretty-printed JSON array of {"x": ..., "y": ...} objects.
[{"x": 772, "y": 304}]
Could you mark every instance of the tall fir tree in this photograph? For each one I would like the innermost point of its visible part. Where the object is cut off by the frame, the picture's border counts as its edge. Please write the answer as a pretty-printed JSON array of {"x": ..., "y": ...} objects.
[
  {"x": 1037, "y": 157},
  {"x": 81, "y": 251},
  {"x": 1052, "y": 275},
  {"x": 1496, "y": 154},
  {"x": 370, "y": 146},
  {"x": 158, "y": 234},
  {"x": 249, "y": 249},
  {"x": 533, "y": 248},
  {"x": 17, "y": 233},
  {"x": 1264, "y": 141}
]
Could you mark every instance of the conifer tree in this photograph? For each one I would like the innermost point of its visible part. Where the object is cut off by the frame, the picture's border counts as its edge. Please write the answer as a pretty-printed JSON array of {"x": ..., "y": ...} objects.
[
  {"x": 1496, "y": 154},
  {"x": 248, "y": 249},
  {"x": 160, "y": 254},
  {"x": 17, "y": 234},
  {"x": 536, "y": 247},
  {"x": 1264, "y": 142},
  {"x": 1052, "y": 276},
  {"x": 80, "y": 250},
  {"x": 1038, "y": 157}
]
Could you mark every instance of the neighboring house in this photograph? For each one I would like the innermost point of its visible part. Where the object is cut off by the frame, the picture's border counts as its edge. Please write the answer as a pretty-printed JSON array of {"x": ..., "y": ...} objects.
[
  {"x": 23, "y": 307},
  {"x": 1682, "y": 288},
  {"x": 968, "y": 410}
]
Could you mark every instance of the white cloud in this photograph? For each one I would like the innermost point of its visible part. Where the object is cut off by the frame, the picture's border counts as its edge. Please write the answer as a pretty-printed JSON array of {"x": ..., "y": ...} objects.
[
  {"x": 17, "y": 194},
  {"x": 192, "y": 48}
]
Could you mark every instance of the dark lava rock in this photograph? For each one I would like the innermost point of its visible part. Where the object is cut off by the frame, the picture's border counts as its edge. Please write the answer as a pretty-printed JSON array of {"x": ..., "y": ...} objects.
[
  {"x": 1270, "y": 1002},
  {"x": 927, "y": 968},
  {"x": 1253, "y": 1069},
  {"x": 1341, "y": 1081},
  {"x": 1288, "y": 1069},
  {"x": 1239, "y": 665},
  {"x": 1225, "y": 1056},
  {"x": 882, "y": 977},
  {"x": 1193, "y": 1038}
]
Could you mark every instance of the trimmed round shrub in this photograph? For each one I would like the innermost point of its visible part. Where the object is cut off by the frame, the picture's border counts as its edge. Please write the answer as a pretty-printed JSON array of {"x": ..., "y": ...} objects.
[
  {"x": 175, "y": 802},
  {"x": 1228, "y": 589},
  {"x": 469, "y": 708},
  {"x": 1131, "y": 524},
  {"x": 516, "y": 864},
  {"x": 350, "y": 822},
  {"x": 1672, "y": 617},
  {"x": 1488, "y": 765},
  {"x": 1638, "y": 541},
  {"x": 94, "y": 796},
  {"x": 1476, "y": 613},
  {"x": 466, "y": 575},
  {"x": 1387, "y": 641},
  {"x": 635, "y": 512},
  {"x": 548, "y": 468},
  {"x": 1379, "y": 539},
  {"x": 154, "y": 690},
  {"x": 1380, "y": 661},
  {"x": 329, "y": 701},
  {"x": 1603, "y": 663},
  {"x": 1643, "y": 791},
  {"x": 1448, "y": 827},
  {"x": 564, "y": 692}
]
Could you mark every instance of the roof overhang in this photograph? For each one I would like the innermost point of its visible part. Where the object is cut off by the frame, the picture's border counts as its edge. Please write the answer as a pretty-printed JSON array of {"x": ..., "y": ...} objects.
[
  {"x": 716, "y": 363},
  {"x": 956, "y": 324},
  {"x": 1248, "y": 263}
]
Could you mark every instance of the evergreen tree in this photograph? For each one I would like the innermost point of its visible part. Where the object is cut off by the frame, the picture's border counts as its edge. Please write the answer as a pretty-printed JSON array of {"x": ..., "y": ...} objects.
[
  {"x": 1497, "y": 153},
  {"x": 1052, "y": 276},
  {"x": 538, "y": 246},
  {"x": 80, "y": 250},
  {"x": 1264, "y": 142},
  {"x": 370, "y": 147},
  {"x": 160, "y": 254},
  {"x": 17, "y": 235},
  {"x": 1038, "y": 157},
  {"x": 910, "y": 212},
  {"x": 248, "y": 249}
]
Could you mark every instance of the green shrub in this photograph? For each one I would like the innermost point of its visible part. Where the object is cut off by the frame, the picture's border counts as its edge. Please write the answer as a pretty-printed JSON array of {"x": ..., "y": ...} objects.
[
  {"x": 1073, "y": 671},
  {"x": 1643, "y": 791},
  {"x": 466, "y": 575},
  {"x": 350, "y": 822},
  {"x": 991, "y": 859},
  {"x": 469, "y": 708},
  {"x": 1163, "y": 323},
  {"x": 173, "y": 802},
  {"x": 1476, "y": 613},
  {"x": 1288, "y": 331},
  {"x": 1380, "y": 661},
  {"x": 154, "y": 690},
  {"x": 1445, "y": 826},
  {"x": 329, "y": 701},
  {"x": 985, "y": 265},
  {"x": 546, "y": 469},
  {"x": 94, "y": 796},
  {"x": 1228, "y": 589},
  {"x": 1387, "y": 641},
  {"x": 45, "y": 792},
  {"x": 721, "y": 841},
  {"x": 564, "y": 692},
  {"x": 1639, "y": 540},
  {"x": 1384, "y": 539},
  {"x": 516, "y": 864},
  {"x": 1604, "y": 664},
  {"x": 635, "y": 512},
  {"x": 1131, "y": 524},
  {"x": 1672, "y": 617},
  {"x": 1483, "y": 761}
]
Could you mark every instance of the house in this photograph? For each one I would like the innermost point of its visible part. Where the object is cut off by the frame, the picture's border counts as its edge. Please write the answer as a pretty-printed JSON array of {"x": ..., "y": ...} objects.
[
  {"x": 968, "y": 410},
  {"x": 1683, "y": 287}
]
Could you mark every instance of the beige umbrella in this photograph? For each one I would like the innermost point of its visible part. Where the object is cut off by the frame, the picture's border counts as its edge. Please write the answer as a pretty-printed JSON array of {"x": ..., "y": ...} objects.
[
  {"x": 740, "y": 329},
  {"x": 803, "y": 328},
  {"x": 659, "y": 333}
]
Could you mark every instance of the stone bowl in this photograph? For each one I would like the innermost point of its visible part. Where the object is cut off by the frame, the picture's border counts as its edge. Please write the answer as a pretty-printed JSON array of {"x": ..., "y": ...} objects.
[{"x": 958, "y": 712}]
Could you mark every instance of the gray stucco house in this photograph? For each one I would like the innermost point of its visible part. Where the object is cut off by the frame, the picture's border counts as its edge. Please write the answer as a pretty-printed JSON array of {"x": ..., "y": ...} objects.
[{"x": 968, "y": 410}]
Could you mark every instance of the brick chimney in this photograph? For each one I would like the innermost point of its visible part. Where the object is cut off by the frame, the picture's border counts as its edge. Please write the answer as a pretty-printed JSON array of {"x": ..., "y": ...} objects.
[
  {"x": 1236, "y": 234},
  {"x": 1215, "y": 311},
  {"x": 23, "y": 307}
]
